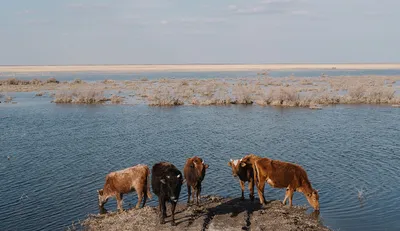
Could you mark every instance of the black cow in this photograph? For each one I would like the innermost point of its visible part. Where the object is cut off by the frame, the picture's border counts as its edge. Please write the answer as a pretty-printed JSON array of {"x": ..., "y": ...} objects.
[{"x": 166, "y": 181}]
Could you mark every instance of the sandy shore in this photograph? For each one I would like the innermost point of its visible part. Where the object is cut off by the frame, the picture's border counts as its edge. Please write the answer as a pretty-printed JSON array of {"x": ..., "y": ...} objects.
[
  {"x": 215, "y": 213},
  {"x": 190, "y": 67}
]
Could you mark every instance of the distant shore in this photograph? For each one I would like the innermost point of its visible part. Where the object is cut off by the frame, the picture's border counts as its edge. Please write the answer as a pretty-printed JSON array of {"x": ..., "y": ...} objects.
[{"x": 194, "y": 67}]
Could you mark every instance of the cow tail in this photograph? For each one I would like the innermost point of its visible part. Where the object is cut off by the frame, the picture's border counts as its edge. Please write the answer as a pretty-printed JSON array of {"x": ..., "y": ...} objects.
[{"x": 148, "y": 193}]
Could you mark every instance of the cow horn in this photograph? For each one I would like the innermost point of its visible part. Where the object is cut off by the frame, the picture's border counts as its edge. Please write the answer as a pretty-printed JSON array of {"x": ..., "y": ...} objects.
[
  {"x": 179, "y": 175},
  {"x": 231, "y": 160},
  {"x": 241, "y": 159},
  {"x": 202, "y": 162}
]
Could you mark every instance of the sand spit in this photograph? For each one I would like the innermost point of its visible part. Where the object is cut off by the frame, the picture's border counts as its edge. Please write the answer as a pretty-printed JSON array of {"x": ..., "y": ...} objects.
[
  {"x": 215, "y": 213},
  {"x": 193, "y": 67}
]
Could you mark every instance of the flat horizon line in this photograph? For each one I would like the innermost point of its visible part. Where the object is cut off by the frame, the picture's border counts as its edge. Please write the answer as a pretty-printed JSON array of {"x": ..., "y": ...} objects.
[
  {"x": 118, "y": 68},
  {"x": 199, "y": 64}
]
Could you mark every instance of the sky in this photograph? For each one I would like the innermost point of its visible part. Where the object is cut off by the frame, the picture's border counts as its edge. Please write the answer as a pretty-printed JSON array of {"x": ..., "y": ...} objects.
[{"x": 61, "y": 32}]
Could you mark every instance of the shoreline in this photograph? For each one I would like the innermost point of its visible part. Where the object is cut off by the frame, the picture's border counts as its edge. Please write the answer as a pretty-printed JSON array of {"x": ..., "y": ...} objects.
[
  {"x": 214, "y": 213},
  {"x": 194, "y": 67}
]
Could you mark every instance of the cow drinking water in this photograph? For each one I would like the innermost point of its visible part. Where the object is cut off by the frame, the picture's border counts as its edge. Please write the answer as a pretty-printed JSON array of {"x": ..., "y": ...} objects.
[
  {"x": 166, "y": 181},
  {"x": 125, "y": 181},
  {"x": 279, "y": 174}
]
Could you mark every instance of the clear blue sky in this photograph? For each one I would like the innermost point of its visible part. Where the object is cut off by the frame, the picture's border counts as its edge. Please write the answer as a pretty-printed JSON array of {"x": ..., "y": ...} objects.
[{"x": 198, "y": 31}]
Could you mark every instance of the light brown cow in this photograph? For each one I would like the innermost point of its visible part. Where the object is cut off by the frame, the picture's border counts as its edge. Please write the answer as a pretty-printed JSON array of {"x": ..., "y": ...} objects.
[
  {"x": 245, "y": 174},
  {"x": 194, "y": 171},
  {"x": 121, "y": 182},
  {"x": 281, "y": 174}
]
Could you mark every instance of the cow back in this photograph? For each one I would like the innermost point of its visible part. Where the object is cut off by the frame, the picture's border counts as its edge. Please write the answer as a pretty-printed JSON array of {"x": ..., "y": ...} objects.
[
  {"x": 124, "y": 181},
  {"x": 160, "y": 171}
]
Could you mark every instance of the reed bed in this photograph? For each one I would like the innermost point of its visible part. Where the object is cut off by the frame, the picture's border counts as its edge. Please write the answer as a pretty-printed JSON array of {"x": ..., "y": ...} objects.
[
  {"x": 90, "y": 96},
  {"x": 261, "y": 90}
]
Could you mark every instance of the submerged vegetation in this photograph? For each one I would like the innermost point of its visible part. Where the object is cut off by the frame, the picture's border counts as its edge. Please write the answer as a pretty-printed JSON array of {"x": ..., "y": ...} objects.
[{"x": 291, "y": 91}]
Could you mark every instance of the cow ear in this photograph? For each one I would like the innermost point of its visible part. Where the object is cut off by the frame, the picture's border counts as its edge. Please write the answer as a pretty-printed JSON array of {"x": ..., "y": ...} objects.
[
  {"x": 243, "y": 164},
  {"x": 308, "y": 194},
  {"x": 163, "y": 181},
  {"x": 206, "y": 165},
  {"x": 229, "y": 163},
  {"x": 100, "y": 192}
]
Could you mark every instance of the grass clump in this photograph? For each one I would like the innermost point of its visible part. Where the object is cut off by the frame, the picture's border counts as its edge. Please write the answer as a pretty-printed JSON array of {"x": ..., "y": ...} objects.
[
  {"x": 80, "y": 97},
  {"x": 164, "y": 97},
  {"x": 52, "y": 80},
  {"x": 14, "y": 81},
  {"x": 116, "y": 99}
]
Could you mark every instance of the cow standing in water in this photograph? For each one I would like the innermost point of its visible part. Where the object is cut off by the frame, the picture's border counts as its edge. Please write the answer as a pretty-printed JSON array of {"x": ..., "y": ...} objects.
[
  {"x": 121, "y": 182},
  {"x": 194, "y": 171},
  {"x": 279, "y": 174},
  {"x": 166, "y": 181},
  {"x": 245, "y": 174}
]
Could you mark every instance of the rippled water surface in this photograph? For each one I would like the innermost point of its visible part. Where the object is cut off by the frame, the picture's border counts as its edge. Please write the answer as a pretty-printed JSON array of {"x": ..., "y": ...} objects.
[{"x": 60, "y": 154}]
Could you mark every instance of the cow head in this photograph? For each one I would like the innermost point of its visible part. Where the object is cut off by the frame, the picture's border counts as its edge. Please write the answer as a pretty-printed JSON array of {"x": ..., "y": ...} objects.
[
  {"x": 173, "y": 183},
  {"x": 102, "y": 199},
  {"x": 313, "y": 199},
  {"x": 199, "y": 165},
  {"x": 235, "y": 165}
]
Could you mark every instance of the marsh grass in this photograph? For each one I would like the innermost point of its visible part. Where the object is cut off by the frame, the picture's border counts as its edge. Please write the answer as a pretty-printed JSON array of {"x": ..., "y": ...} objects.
[
  {"x": 262, "y": 90},
  {"x": 116, "y": 99},
  {"x": 164, "y": 96},
  {"x": 91, "y": 96}
]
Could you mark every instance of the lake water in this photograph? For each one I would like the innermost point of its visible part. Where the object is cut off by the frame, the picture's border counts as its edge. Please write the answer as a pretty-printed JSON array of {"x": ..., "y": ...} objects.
[
  {"x": 60, "y": 154},
  {"x": 90, "y": 76}
]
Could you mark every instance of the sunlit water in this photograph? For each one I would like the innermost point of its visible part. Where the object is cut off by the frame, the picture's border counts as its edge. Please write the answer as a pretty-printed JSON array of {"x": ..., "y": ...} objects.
[{"x": 60, "y": 154}]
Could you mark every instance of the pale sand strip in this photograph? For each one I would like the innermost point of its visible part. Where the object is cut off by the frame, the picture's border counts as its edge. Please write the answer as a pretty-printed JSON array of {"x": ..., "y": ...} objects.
[{"x": 190, "y": 67}]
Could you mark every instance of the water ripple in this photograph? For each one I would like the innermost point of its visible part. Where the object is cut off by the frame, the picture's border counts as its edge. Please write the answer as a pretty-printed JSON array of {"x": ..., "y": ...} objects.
[{"x": 60, "y": 156}]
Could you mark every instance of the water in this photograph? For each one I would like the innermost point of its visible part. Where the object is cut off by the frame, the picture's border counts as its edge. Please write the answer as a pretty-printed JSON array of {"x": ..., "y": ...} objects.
[
  {"x": 92, "y": 76},
  {"x": 60, "y": 155}
]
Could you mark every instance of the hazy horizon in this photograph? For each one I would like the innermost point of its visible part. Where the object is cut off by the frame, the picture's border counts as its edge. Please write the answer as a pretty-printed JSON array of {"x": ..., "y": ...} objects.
[{"x": 136, "y": 32}]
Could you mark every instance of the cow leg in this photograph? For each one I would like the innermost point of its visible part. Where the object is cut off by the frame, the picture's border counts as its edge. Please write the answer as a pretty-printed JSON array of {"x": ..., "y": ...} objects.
[
  {"x": 194, "y": 190},
  {"x": 144, "y": 198},
  {"x": 242, "y": 187},
  {"x": 140, "y": 196},
  {"x": 260, "y": 189},
  {"x": 291, "y": 192},
  {"x": 161, "y": 205},
  {"x": 173, "y": 206},
  {"x": 251, "y": 188},
  {"x": 189, "y": 193},
  {"x": 119, "y": 201},
  {"x": 198, "y": 191},
  {"x": 286, "y": 196}
]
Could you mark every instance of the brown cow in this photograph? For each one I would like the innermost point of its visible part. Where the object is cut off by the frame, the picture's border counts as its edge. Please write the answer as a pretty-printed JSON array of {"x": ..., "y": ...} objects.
[
  {"x": 194, "y": 172},
  {"x": 245, "y": 174},
  {"x": 121, "y": 182},
  {"x": 281, "y": 174}
]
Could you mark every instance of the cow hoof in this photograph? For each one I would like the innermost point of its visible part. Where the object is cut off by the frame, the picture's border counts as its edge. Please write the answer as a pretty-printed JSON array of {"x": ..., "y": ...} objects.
[{"x": 242, "y": 198}]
